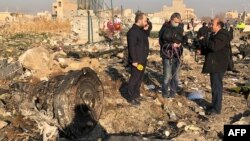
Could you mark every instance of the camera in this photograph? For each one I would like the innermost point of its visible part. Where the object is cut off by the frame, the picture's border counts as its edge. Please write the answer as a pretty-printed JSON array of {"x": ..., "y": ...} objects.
[{"x": 177, "y": 38}]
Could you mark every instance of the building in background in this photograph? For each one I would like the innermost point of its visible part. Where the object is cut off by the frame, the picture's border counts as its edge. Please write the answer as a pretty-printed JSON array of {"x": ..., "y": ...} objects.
[
  {"x": 232, "y": 14},
  {"x": 64, "y": 9},
  {"x": 46, "y": 15},
  {"x": 11, "y": 16},
  {"x": 177, "y": 6}
]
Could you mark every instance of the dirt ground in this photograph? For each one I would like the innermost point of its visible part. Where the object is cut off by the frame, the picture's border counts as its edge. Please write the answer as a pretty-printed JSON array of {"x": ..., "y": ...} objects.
[{"x": 155, "y": 118}]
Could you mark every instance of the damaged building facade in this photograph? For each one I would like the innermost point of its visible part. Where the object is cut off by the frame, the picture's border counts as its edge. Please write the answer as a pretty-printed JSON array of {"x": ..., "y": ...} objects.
[
  {"x": 66, "y": 9},
  {"x": 82, "y": 14}
]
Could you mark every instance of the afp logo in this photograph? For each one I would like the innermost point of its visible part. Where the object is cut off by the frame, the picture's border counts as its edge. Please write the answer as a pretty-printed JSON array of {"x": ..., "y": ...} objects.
[{"x": 241, "y": 132}]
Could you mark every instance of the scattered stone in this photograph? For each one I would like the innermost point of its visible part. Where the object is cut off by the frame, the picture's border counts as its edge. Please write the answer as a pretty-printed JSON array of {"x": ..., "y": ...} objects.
[
  {"x": 208, "y": 87},
  {"x": 166, "y": 133},
  {"x": 157, "y": 102},
  {"x": 192, "y": 127},
  {"x": 61, "y": 52},
  {"x": 2, "y": 111},
  {"x": 179, "y": 104},
  {"x": 44, "y": 79},
  {"x": 37, "y": 59},
  {"x": 26, "y": 74},
  {"x": 149, "y": 87},
  {"x": 62, "y": 63},
  {"x": 17, "y": 98},
  {"x": 9, "y": 70},
  {"x": 120, "y": 55},
  {"x": 186, "y": 82},
  {"x": 3, "y": 124},
  {"x": 95, "y": 63},
  {"x": 160, "y": 123},
  {"x": 235, "y": 58},
  {"x": 240, "y": 56},
  {"x": 235, "y": 50},
  {"x": 202, "y": 113},
  {"x": 1, "y": 104},
  {"x": 4, "y": 95},
  {"x": 181, "y": 124},
  {"x": 172, "y": 116},
  {"x": 154, "y": 58}
]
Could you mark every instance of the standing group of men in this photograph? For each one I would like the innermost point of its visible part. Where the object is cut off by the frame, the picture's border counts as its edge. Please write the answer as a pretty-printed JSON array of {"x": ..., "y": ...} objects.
[{"x": 171, "y": 37}]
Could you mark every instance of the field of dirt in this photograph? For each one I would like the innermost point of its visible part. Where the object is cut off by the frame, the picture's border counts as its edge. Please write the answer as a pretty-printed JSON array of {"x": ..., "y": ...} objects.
[{"x": 43, "y": 56}]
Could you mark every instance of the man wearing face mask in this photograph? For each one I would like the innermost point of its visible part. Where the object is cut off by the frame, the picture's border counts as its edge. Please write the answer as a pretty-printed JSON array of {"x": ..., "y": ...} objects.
[
  {"x": 171, "y": 38},
  {"x": 138, "y": 49}
]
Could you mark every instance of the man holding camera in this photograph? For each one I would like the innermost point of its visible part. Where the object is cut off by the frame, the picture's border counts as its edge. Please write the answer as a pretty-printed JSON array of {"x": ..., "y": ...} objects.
[
  {"x": 171, "y": 38},
  {"x": 216, "y": 63}
]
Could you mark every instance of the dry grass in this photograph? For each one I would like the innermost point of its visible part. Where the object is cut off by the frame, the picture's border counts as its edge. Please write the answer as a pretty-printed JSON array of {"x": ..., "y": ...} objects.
[{"x": 37, "y": 26}]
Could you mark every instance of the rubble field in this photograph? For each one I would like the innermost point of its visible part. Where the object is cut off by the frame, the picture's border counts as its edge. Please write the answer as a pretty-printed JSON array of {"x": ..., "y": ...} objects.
[{"x": 33, "y": 58}]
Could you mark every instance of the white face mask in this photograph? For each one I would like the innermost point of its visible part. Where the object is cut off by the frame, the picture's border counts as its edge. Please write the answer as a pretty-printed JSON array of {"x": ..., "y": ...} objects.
[{"x": 175, "y": 24}]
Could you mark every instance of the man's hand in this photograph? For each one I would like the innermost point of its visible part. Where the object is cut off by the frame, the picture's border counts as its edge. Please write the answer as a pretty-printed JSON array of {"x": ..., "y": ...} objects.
[
  {"x": 135, "y": 64},
  {"x": 146, "y": 27},
  {"x": 198, "y": 52},
  {"x": 175, "y": 45},
  {"x": 202, "y": 37}
]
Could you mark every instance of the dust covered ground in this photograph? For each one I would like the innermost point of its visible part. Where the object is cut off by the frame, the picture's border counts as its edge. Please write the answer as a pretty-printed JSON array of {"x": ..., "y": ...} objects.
[{"x": 155, "y": 118}]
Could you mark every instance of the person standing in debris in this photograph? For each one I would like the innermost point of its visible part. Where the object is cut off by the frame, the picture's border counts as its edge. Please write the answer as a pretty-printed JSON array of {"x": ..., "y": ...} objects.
[
  {"x": 216, "y": 63},
  {"x": 138, "y": 49},
  {"x": 210, "y": 24},
  {"x": 231, "y": 36},
  {"x": 191, "y": 26},
  {"x": 241, "y": 26},
  {"x": 227, "y": 24},
  {"x": 117, "y": 23},
  {"x": 202, "y": 36},
  {"x": 170, "y": 39}
]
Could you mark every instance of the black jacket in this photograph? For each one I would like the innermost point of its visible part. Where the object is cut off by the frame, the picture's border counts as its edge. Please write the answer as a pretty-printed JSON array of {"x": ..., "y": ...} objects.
[
  {"x": 231, "y": 36},
  {"x": 138, "y": 45},
  {"x": 169, "y": 35},
  {"x": 203, "y": 31},
  {"x": 231, "y": 33},
  {"x": 217, "y": 57}
]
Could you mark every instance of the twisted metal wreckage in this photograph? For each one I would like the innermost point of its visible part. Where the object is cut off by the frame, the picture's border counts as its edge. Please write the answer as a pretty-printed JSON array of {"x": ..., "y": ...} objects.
[{"x": 72, "y": 102}]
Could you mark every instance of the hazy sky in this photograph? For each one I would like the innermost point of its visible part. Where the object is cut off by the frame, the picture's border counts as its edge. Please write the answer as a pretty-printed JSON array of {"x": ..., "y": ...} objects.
[{"x": 202, "y": 7}]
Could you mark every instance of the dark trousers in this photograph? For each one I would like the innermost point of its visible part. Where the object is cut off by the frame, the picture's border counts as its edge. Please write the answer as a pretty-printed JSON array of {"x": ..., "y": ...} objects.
[
  {"x": 217, "y": 88},
  {"x": 134, "y": 82}
]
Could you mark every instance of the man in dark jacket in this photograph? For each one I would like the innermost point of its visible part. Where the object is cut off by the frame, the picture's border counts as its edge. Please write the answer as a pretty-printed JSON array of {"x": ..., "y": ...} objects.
[
  {"x": 138, "y": 49},
  {"x": 171, "y": 38},
  {"x": 231, "y": 36},
  {"x": 216, "y": 63},
  {"x": 202, "y": 36}
]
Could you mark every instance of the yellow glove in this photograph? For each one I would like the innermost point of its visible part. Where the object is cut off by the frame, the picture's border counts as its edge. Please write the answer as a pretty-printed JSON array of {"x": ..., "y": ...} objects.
[{"x": 140, "y": 67}]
